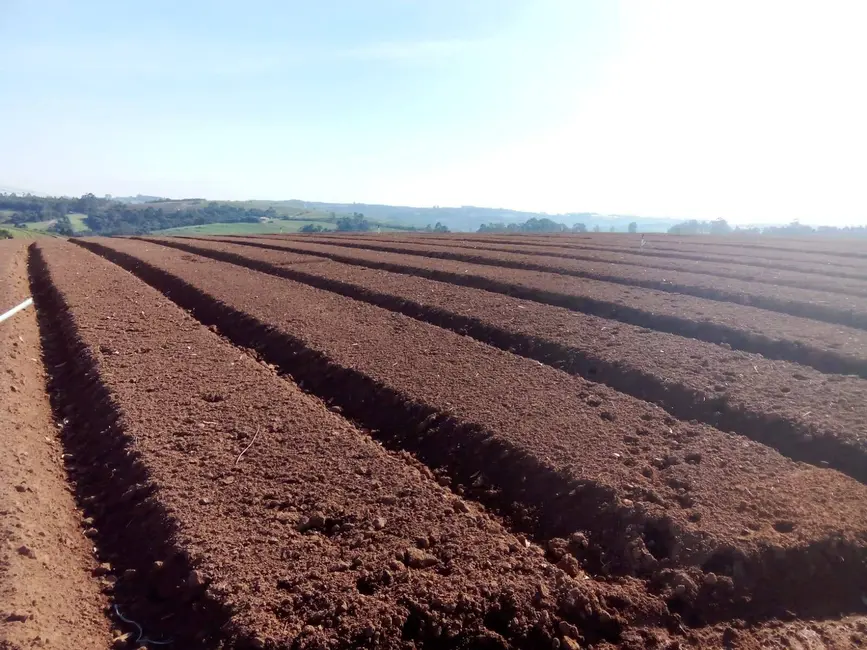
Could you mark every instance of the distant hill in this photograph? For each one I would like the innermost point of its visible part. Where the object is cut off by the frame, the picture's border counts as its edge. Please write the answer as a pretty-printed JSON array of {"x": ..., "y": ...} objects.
[
  {"x": 466, "y": 218},
  {"x": 147, "y": 213},
  {"x": 138, "y": 198},
  {"x": 5, "y": 189},
  {"x": 470, "y": 218}
]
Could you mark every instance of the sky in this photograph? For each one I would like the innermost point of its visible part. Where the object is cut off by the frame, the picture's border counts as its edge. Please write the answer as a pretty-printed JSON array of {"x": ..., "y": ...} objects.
[{"x": 750, "y": 110}]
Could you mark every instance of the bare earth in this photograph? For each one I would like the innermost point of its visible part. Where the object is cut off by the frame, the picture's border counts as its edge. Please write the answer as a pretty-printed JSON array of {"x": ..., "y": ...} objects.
[
  {"x": 275, "y": 443},
  {"x": 48, "y": 595}
]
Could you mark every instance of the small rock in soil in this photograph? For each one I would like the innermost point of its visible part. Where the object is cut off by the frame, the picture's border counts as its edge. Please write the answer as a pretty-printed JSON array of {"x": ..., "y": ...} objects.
[
  {"x": 570, "y": 565},
  {"x": 26, "y": 551},
  {"x": 120, "y": 641},
  {"x": 102, "y": 569},
  {"x": 579, "y": 540},
  {"x": 196, "y": 579},
  {"x": 313, "y": 521},
  {"x": 543, "y": 594},
  {"x": 418, "y": 559},
  {"x": 567, "y": 629},
  {"x": 683, "y": 584},
  {"x": 557, "y": 548}
]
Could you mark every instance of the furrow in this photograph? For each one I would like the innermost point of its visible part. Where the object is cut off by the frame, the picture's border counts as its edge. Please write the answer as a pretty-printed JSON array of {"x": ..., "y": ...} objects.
[
  {"x": 651, "y": 496},
  {"x": 841, "y": 309},
  {"x": 49, "y": 593},
  {"x": 827, "y": 348},
  {"x": 129, "y": 524},
  {"x": 670, "y": 247},
  {"x": 819, "y": 278},
  {"x": 243, "y": 514},
  {"x": 734, "y": 391},
  {"x": 801, "y": 262},
  {"x": 840, "y": 249}
]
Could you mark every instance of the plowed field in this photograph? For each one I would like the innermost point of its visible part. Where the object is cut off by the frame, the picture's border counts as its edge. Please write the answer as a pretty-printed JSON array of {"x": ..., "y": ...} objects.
[{"x": 434, "y": 442}]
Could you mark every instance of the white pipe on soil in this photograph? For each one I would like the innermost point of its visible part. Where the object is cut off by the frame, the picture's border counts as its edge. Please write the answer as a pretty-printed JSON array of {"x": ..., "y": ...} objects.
[{"x": 15, "y": 310}]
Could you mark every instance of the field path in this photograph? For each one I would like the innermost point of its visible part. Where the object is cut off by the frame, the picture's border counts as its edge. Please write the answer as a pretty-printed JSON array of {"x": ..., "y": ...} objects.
[{"x": 48, "y": 595}]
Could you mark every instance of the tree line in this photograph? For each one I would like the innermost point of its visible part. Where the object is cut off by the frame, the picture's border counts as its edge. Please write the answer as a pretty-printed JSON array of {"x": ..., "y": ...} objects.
[
  {"x": 107, "y": 217},
  {"x": 531, "y": 225},
  {"x": 793, "y": 229},
  {"x": 545, "y": 225},
  {"x": 357, "y": 223}
]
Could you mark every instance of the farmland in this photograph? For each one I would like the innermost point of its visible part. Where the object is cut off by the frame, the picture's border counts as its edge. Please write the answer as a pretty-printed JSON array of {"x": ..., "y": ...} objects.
[
  {"x": 269, "y": 227},
  {"x": 77, "y": 221},
  {"x": 387, "y": 441}
]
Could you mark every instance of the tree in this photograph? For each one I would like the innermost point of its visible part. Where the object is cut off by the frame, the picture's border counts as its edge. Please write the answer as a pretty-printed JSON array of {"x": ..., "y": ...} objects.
[
  {"x": 579, "y": 227},
  {"x": 612, "y": 229},
  {"x": 355, "y": 223},
  {"x": 530, "y": 225},
  {"x": 63, "y": 227},
  {"x": 633, "y": 227},
  {"x": 691, "y": 227},
  {"x": 794, "y": 228},
  {"x": 695, "y": 227},
  {"x": 720, "y": 227},
  {"x": 87, "y": 204},
  {"x": 312, "y": 227},
  {"x": 596, "y": 228}
]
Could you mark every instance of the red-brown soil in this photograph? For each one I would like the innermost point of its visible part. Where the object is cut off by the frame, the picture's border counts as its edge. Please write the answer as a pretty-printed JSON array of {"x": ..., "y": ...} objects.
[
  {"x": 238, "y": 510},
  {"x": 655, "y": 497},
  {"x": 821, "y": 419},
  {"x": 668, "y": 248},
  {"x": 48, "y": 595},
  {"x": 828, "y": 348},
  {"x": 817, "y": 276},
  {"x": 852, "y": 249},
  {"x": 367, "y": 449},
  {"x": 846, "y": 309}
]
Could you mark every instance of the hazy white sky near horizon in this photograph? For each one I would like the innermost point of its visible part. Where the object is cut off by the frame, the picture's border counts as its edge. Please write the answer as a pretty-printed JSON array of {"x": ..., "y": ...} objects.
[{"x": 755, "y": 111}]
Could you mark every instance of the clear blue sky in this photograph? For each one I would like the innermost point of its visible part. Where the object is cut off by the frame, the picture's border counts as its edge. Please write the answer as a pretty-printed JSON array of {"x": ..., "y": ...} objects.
[{"x": 754, "y": 111}]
